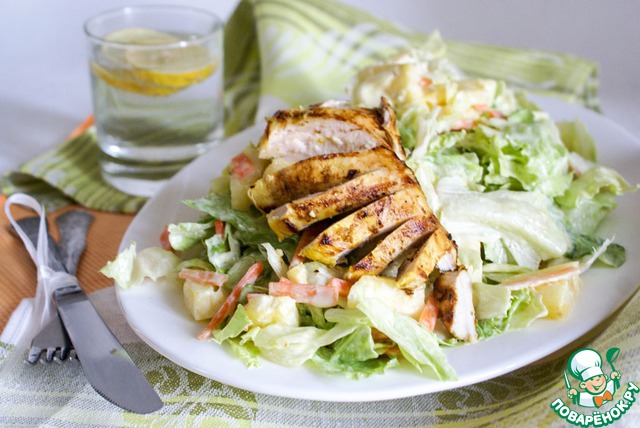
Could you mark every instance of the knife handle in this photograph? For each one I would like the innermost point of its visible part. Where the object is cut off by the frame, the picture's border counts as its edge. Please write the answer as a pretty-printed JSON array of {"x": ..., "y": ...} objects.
[{"x": 68, "y": 292}]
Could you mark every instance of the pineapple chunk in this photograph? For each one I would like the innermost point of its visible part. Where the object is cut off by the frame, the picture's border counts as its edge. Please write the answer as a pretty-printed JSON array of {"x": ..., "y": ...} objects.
[
  {"x": 276, "y": 165},
  {"x": 264, "y": 310},
  {"x": 202, "y": 300},
  {"x": 312, "y": 273},
  {"x": 245, "y": 170},
  {"x": 221, "y": 183},
  {"x": 239, "y": 197},
  {"x": 560, "y": 296},
  {"x": 408, "y": 302}
]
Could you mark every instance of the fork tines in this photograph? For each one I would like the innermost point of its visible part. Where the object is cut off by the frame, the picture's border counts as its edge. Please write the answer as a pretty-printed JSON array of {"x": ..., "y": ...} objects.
[
  {"x": 53, "y": 341},
  {"x": 51, "y": 354}
]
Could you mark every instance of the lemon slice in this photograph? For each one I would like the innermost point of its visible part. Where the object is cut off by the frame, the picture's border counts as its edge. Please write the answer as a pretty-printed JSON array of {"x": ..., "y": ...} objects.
[
  {"x": 141, "y": 36},
  {"x": 138, "y": 67}
]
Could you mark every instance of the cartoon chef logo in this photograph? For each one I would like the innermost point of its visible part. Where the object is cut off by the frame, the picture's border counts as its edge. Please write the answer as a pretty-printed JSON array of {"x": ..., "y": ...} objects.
[{"x": 597, "y": 388}]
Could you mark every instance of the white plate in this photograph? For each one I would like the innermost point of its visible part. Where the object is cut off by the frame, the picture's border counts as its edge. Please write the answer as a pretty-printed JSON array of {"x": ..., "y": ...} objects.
[{"x": 157, "y": 314}]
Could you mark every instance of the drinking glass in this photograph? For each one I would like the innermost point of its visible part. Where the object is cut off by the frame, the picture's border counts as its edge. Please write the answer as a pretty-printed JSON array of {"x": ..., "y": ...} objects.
[{"x": 156, "y": 78}]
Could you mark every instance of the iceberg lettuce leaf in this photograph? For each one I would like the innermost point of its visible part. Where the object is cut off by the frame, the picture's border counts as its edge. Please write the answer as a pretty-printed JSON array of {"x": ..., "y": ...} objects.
[
  {"x": 293, "y": 346},
  {"x": 525, "y": 307},
  {"x": 354, "y": 369},
  {"x": 527, "y": 223},
  {"x": 354, "y": 356},
  {"x": 590, "y": 197},
  {"x": 237, "y": 324},
  {"x": 246, "y": 351},
  {"x": 130, "y": 268},
  {"x": 183, "y": 236},
  {"x": 418, "y": 345},
  {"x": 577, "y": 139}
]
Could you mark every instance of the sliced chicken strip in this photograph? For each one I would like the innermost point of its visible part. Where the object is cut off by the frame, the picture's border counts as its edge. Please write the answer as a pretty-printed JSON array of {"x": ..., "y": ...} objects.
[
  {"x": 438, "y": 251},
  {"x": 298, "y": 134},
  {"x": 376, "y": 218},
  {"x": 318, "y": 174},
  {"x": 454, "y": 295},
  {"x": 411, "y": 233},
  {"x": 295, "y": 216}
]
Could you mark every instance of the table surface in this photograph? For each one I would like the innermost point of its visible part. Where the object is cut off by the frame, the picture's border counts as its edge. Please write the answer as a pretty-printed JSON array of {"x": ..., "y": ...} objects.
[
  {"x": 44, "y": 80},
  {"x": 45, "y": 93}
]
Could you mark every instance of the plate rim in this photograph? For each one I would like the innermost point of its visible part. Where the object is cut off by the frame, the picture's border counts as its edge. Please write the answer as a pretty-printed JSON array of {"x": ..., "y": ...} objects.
[{"x": 253, "y": 132}]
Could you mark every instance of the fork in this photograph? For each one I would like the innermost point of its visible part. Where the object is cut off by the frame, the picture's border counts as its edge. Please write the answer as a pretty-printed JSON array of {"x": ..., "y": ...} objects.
[
  {"x": 73, "y": 226},
  {"x": 54, "y": 341}
]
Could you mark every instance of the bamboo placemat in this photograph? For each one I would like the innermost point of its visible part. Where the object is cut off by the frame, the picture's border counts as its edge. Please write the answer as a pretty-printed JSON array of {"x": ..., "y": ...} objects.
[{"x": 18, "y": 273}]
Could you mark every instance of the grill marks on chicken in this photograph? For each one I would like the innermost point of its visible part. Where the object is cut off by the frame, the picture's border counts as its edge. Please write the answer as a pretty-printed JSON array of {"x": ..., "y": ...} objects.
[
  {"x": 438, "y": 251},
  {"x": 409, "y": 234},
  {"x": 322, "y": 129},
  {"x": 454, "y": 297},
  {"x": 379, "y": 217},
  {"x": 318, "y": 174},
  {"x": 349, "y": 171},
  {"x": 348, "y": 174},
  {"x": 355, "y": 193}
]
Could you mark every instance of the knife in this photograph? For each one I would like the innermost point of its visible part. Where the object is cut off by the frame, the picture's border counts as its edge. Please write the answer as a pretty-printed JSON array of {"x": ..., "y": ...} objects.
[{"x": 106, "y": 364}]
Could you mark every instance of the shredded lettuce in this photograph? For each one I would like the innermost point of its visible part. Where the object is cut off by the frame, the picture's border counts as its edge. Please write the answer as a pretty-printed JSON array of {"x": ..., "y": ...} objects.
[
  {"x": 247, "y": 352},
  {"x": 223, "y": 251},
  {"x": 130, "y": 268},
  {"x": 194, "y": 263},
  {"x": 293, "y": 346},
  {"x": 121, "y": 268},
  {"x": 354, "y": 356},
  {"x": 590, "y": 197},
  {"x": 490, "y": 301},
  {"x": 525, "y": 307},
  {"x": 521, "y": 226},
  {"x": 522, "y": 153},
  {"x": 237, "y": 324},
  {"x": 350, "y": 315},
  {"x": 352, "y": 369},
  {"x": 418, "y": 345},
  {"x": 238, "y": 270},
  {"x": 275, "y": 259},
  {"x": 183, "y": 236},
  {"x": 577, "y": 139},
  {"x": 313, "y": 316},
  {"x": 358, "y": 346}
]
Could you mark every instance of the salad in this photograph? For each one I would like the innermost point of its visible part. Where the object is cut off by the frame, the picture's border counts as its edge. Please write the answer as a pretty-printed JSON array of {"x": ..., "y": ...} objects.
[{"x": 521, "y": 196}]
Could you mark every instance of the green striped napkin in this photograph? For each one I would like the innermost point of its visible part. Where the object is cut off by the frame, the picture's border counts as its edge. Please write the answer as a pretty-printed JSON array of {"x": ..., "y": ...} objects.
[{"x": 299, "y": 53}]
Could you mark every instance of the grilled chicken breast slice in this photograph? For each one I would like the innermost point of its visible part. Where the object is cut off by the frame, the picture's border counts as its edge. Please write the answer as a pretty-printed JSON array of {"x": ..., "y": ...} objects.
[
  {"x": 410, "y": 233},
  {"x": 298, "y": 134},
  {"x": 318, "y": 174},
  {"x": 297, "y": 215},
  {"x": 454, "y": 296},
  {"x": 438, "y": 251},
  {"x": 376, "y": 218}
]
